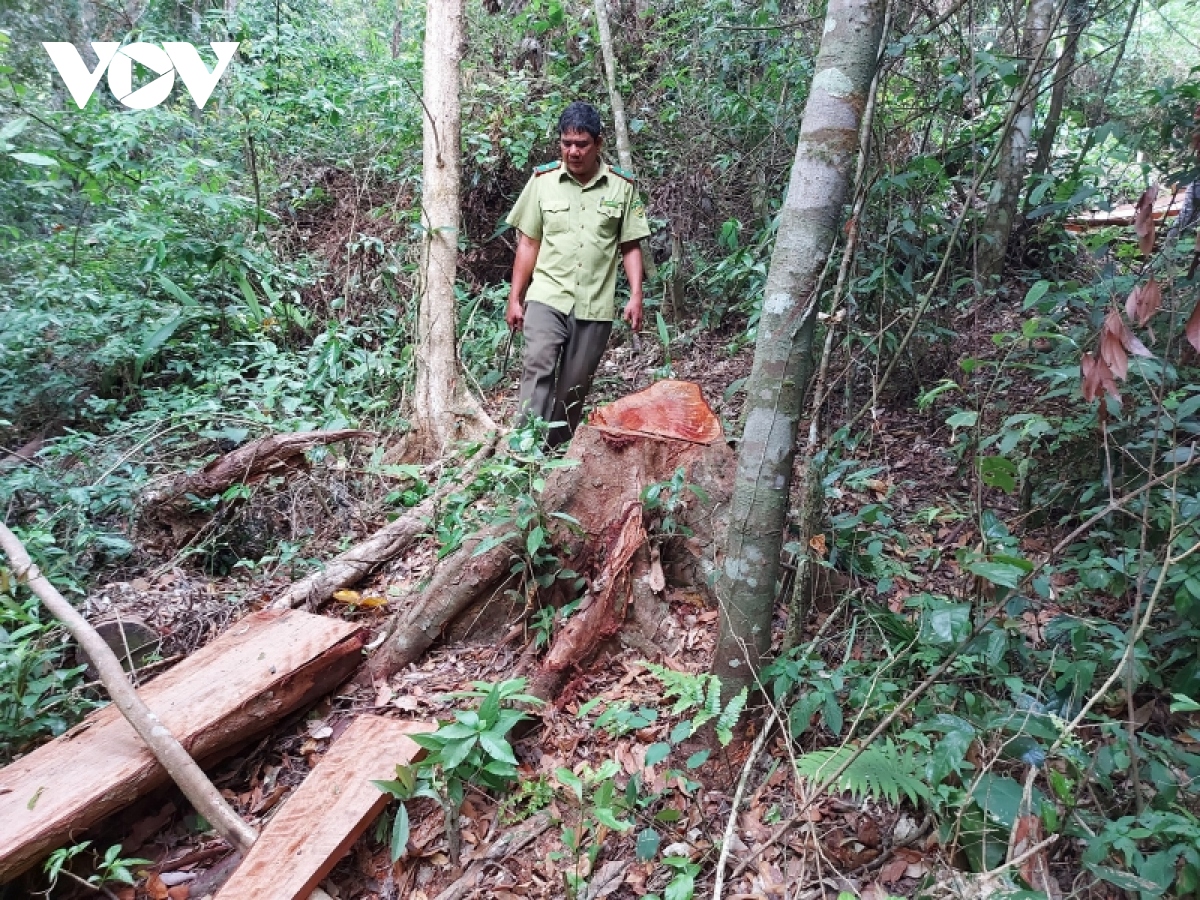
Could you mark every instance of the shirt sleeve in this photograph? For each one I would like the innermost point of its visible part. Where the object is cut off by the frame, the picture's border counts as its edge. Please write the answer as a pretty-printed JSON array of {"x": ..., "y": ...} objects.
[
  {"x": 526, "y": 216},
  {"x": 634, "y": 225}
]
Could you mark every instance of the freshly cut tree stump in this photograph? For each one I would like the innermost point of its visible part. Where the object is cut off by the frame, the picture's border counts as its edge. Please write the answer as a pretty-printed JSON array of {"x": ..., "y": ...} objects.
[
  {"x": 262, "y": 668},
  {"x": 327, "y": 813},
  {"x": 629, "y": 445}
]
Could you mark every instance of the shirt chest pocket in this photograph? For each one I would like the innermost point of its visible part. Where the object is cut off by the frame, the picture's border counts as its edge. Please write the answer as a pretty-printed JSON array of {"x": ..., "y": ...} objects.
[
  {"x": 556, "y": 216},
  {"x": 610, "y": 218}
]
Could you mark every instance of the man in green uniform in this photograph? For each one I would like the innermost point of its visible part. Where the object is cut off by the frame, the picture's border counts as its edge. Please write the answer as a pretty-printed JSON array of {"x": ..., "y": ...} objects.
[{"x": 575, "y": 216}]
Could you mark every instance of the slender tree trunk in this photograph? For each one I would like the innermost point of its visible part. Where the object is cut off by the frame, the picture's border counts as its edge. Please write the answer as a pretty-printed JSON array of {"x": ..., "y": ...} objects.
[
  {"x": 783, "y": 356},
  {"x": 444, "y": 410},
  {"x": 1077, "y": 16},
  {"x": 1011, "y": 168},
  {"x": 620, "y": 123}
]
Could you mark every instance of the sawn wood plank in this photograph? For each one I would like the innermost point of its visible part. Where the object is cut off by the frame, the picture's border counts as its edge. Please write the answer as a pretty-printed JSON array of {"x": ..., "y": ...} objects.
[
  {"x": 262, "y": 668},
  {"x": 336, "y": 803}
]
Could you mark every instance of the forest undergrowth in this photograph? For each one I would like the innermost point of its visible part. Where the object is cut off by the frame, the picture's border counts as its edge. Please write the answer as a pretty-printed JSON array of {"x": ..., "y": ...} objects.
[{"x": 986, "y": 669}]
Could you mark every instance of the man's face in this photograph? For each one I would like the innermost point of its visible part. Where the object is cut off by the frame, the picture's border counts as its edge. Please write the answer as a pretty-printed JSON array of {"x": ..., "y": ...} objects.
[{"x": 580, "y": 153}]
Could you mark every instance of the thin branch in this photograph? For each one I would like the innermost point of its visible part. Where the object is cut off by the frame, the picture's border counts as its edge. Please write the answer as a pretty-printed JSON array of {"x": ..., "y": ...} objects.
[
  {"x": 167, "y": 750},
  {"x": 731, "y": 824}
]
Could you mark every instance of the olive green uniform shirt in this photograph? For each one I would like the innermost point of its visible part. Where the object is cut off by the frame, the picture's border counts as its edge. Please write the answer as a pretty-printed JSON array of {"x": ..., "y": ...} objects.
[{"x": 581, "y": 228}]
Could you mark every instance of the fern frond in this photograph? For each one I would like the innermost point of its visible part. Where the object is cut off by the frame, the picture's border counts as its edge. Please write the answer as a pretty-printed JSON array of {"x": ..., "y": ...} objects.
[
  {"x": 882, "y": 771},
  {"x": 729, "y": 718}
]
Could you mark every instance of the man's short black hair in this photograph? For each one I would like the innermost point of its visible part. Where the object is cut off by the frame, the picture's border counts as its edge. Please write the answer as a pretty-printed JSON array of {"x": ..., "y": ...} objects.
[{"x": 580, "y": 116}]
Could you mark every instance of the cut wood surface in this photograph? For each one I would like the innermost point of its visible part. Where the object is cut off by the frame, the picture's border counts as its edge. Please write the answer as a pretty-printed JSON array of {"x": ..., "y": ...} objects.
[
  {"x": 262, "y": 668},
  {"x": 327, "y": 813},
  {"x": 1167, "y": 205}
]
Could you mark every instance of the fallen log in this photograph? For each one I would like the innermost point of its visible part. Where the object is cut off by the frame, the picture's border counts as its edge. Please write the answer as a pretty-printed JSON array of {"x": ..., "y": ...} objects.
[
  {"x": 336, "y": 803},
  {"x": 262, "y": 668},
  {"x": 387, "y": 543},
  {"x": 629, "y": 445},
  {"x": 269, "y": 455}
]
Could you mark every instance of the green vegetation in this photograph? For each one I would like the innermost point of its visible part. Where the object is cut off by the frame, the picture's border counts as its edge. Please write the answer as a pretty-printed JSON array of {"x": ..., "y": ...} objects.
[{"x": 1024, "y": 636}]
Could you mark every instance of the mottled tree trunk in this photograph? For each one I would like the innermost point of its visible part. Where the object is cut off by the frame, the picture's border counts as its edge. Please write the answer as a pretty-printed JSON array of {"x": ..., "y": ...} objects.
[
  {"x": 443, "y": 408},
  {"x": 1077, "y": 14},
  {"x": 1011, "y": 167},
  {"x": 783, "y": 356}
]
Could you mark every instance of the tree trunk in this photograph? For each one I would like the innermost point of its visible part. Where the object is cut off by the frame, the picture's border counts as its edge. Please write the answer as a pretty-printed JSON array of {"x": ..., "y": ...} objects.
[
  {"x": 1077, "y": 16},
  {"x": 444, "y": 411},
  {"x": 1011, "y": 168},
  {"x": 640, "y": 440},
  {"x": 783, "y": 354},
  {"x": 620, "y": 123}
]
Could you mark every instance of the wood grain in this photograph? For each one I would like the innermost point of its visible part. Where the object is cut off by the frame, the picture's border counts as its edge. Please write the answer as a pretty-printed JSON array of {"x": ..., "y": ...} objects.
[
  {"x": 262, "y": 668},
  {"x": 336, "y": 803}
]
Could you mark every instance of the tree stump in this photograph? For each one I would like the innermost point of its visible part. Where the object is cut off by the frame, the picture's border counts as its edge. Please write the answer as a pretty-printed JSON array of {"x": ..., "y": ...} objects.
[{"x": 618, "y": 549}]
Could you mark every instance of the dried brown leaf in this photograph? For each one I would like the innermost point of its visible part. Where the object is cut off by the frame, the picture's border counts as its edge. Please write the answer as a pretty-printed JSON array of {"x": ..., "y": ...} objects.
[
  {"x": 1192, "y": 328},
  {"x": 893, "y": 871},
  {"x": 1144, "y": 301},
  {"x": 1097, "y": 379},
  {"x": 1112, "y": 351},
  {"x": 1143, "y": 219}
]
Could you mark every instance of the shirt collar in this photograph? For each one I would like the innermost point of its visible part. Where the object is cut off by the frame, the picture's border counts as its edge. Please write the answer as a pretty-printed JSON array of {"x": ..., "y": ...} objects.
[{"x": 601, "y": 174}]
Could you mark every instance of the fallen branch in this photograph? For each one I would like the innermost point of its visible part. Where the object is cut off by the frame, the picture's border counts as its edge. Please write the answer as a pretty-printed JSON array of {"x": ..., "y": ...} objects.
[
  {"x": 273, "y": 453},
  {"x": 731, "y": 823},
  {"x": 183, "y": 770},
  {"x": 392, "y": 539}
]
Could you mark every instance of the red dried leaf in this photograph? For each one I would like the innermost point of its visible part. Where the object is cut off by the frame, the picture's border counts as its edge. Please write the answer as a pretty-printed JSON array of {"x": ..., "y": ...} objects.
[
  {"x": 1192, "y": 328},
  {"x": 1143, "y": 219},
  {"x": 1144, "y": 301},
  {"x": 1097, "y": 379},
  {"x": 1112, "y": 345}
]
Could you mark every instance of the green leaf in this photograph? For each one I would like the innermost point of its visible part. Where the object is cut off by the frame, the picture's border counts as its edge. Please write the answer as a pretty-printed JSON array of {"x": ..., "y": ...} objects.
[
  {"x": 656, "y": 753},
  {"x": 1037, "y": 291},
  {"x": 399, "y": 833},
  {"x": 963, "y": 419},
  {"x": 648, "y": 841},
  {"x": 13, "y": 128},
  {"x": 256, "y": 311},
  {"x": 489, "y": 710},
  {"x": 604, "y": 815},
  {"x": 1124, "y": 880},
  {"x": 176, "y": 291},
  {"x": 497, "y": 747},
  {"x": 698, "y": 759},
  {"x": 1003, "y": 574},
  {"x": 881, "y": 771},
  {"x": 569, "y": 779},
  {"x": 34, "y": 159},
  {"x": 535, "y": 540},
  {"x": 947, "y": 624},
  {"x": 998, "y": 472},
  {"x": 455, "y": 752}
]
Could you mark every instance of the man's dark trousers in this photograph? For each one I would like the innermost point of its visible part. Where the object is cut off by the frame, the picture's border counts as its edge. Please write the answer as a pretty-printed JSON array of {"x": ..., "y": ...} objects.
[{"x": 561, "y": 356}]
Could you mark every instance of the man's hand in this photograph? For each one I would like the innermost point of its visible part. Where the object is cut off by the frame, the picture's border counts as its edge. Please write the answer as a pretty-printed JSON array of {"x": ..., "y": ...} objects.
[
  {"x": 633, "y": 312},
  {"x": 515, "y": 315}
]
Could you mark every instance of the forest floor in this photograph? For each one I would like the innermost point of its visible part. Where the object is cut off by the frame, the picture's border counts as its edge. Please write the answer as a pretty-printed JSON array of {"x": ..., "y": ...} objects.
[{"x": 907, "y": 464}]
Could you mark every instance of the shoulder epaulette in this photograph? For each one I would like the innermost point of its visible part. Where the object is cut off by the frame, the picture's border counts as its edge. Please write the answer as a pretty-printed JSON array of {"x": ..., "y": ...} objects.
[
  {"x": 617, "y": 170},
  {"x": 546, "y": 167}
]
